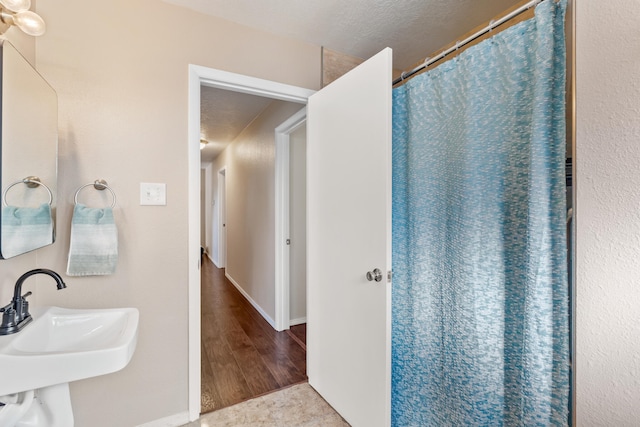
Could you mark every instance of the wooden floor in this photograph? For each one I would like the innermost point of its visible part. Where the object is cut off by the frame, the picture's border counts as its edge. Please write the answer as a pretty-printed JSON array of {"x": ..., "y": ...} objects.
[{"x": 242, "y": 355}]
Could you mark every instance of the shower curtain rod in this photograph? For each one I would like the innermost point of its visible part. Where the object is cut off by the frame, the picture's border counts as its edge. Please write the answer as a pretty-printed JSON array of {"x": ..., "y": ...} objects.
[{"x": 459, "y": 44}]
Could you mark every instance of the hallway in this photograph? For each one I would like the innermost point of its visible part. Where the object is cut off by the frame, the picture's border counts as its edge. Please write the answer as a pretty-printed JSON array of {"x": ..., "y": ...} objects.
[{"x": 242, "y": 355}]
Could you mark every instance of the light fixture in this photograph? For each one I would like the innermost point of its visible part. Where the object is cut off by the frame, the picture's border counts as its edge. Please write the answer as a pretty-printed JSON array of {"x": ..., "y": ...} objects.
[
  {"x": 203, "y": 143},
  {"x": 16, "y": 12}
]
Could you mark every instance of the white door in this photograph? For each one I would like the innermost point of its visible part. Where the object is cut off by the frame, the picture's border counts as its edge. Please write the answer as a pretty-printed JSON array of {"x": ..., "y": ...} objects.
[
  {"x": 222, "y": 215},
  {"x": 349, "y": 234}
]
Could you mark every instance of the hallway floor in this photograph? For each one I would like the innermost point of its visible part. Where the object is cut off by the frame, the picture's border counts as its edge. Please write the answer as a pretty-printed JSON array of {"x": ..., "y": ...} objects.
[{"x": 242, "y": 355}]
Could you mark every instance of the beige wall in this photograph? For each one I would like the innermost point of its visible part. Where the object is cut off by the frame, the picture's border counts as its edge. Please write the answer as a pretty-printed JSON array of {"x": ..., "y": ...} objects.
[
  {"x": 250, "y": 178},
  {"x": 335, "y": 64},
  {"x": 608, "y": 213},
  {"x": 120, "y": 71}
]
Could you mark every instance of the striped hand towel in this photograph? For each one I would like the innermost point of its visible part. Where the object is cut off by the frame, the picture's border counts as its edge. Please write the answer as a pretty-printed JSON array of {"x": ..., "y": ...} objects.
[
  {"x": 25, "y": 229},
  {"x": 93, "y": 250}
]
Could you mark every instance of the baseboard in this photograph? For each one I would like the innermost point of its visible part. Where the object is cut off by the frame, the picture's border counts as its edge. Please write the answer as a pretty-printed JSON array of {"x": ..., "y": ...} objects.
[
  {"x": 298, "y": 321},
  {"x": 215, "y": 262},
  {"x": 253, "y": 303},
  {"x": 171, "y": 421}
]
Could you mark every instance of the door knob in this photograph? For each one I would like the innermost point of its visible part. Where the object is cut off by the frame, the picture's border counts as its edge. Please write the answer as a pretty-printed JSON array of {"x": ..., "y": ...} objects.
[{"x": 376, "y": 275}]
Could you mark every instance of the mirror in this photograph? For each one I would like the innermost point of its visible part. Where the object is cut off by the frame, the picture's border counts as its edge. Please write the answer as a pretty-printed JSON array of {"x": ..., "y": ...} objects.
[{"x": 28, "y": 156}]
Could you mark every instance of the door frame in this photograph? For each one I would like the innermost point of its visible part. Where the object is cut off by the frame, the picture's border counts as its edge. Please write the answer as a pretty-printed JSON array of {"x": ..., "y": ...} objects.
[
  {"x": 282, "y": 231},
  {"x": 222, "y": 218},
  {"x": 199, "y": 75}
]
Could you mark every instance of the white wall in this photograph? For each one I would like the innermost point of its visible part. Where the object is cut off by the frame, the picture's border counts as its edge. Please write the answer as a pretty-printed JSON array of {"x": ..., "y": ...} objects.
[
  {"x": 120, "y": 69},
  {"x": 608, "y": 213},
  {"x": 298, "y": 225}
]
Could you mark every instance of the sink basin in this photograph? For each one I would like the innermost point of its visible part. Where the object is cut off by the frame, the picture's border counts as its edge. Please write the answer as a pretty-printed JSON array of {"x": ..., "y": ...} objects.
[{"x": 62, "y": 345}]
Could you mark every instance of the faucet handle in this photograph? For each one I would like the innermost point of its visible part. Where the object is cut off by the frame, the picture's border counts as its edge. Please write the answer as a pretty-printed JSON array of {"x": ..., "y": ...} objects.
[
  {"x": 8, "y": 317},
  {"x": 22, "y": 307}
]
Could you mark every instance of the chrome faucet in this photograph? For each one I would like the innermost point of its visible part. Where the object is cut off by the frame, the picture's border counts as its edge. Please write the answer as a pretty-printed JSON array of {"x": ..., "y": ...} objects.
[{"x": 15, "y": 315}]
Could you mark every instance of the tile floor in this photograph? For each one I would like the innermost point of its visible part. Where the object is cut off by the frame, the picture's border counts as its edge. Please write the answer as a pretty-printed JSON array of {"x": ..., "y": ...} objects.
[{"x": 296, "y": 406}]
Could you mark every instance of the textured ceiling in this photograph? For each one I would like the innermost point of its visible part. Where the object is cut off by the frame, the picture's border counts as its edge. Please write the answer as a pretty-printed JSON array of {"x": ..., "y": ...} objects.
[
  {"x": 412, "y": 28},
  {"x": 223, "y": 115}
]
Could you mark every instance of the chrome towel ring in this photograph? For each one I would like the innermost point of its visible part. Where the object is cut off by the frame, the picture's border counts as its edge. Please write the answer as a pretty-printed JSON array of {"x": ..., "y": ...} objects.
[
  {"x": 31, "y": 182},
  {"x": 98, "y": 184}
]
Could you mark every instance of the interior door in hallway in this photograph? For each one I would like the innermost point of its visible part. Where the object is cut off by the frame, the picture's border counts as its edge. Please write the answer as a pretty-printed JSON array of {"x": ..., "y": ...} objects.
[
  {"x": 349, "y": 234},
  {"x": 222, "y": 218}
]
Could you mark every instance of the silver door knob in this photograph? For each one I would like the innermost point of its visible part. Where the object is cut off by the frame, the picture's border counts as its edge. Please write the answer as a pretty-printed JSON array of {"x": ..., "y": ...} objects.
[{"x": 376, "y": 275}]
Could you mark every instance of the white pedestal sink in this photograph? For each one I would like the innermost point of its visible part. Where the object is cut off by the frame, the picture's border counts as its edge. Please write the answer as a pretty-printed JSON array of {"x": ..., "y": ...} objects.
[{"x": 59, "y": 346}]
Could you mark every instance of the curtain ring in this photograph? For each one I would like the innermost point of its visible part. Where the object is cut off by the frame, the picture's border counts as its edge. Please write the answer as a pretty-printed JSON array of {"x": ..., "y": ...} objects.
[{"x": 31, "y": 182}]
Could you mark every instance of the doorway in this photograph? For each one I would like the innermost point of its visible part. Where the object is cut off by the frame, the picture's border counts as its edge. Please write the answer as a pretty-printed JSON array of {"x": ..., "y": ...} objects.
[
  {"x": 298, "y": 228},
  {"x": 243, "y": 356},
  {"x": 220, "y": 79},
  {"x": 290, "y": 231}
]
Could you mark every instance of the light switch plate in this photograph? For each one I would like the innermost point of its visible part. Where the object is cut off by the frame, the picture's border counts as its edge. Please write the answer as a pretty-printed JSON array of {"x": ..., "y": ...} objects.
[{"x": 153, "y": 194}]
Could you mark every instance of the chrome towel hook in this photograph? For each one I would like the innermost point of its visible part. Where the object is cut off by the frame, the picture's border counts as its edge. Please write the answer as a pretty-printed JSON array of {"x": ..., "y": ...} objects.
[
  {"x": 31, "y": 182},
  {"x": 98, "y": 184}
]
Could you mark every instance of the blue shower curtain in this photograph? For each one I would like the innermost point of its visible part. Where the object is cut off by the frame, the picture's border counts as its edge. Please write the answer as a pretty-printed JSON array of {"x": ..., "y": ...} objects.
[{"x": 480, "y": 296}]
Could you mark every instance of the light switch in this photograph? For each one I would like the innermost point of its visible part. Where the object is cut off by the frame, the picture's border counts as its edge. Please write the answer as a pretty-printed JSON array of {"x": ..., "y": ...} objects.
[{"x": 153, "y": 194}]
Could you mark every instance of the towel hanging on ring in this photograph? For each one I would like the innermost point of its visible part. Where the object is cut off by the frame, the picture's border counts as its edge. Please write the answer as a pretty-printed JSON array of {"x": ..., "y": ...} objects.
[
  {"x": 93, "y": 249},
  {"x": 26, "y": 228}
]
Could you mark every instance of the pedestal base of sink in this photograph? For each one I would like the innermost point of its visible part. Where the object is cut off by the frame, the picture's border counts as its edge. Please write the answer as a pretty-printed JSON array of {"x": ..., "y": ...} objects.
[{"x": 45, "y": 407}]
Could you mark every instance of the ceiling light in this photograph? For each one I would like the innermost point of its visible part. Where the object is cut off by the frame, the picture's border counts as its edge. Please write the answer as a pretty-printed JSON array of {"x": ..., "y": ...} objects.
[
  {"x": 16, "y": 5},
  {"x": 16, "y": 12},
  {"x": 203, "y": 143}
]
